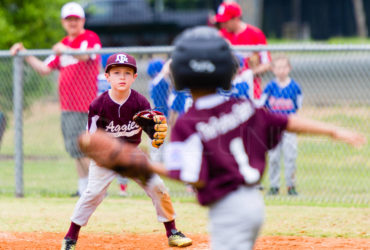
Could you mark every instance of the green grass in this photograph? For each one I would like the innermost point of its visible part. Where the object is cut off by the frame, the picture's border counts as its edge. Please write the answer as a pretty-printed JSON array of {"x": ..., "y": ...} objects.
[{"x": 328, "y": 173}]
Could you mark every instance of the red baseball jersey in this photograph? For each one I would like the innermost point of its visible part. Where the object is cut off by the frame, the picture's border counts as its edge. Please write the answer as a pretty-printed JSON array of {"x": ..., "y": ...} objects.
[
  {"x": 250, "y": 36},
  {"x": 77, "y": 79}
]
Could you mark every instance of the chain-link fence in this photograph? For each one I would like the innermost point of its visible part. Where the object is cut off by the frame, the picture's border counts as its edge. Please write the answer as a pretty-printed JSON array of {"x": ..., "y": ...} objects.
[{"x": 335, "y": 82}]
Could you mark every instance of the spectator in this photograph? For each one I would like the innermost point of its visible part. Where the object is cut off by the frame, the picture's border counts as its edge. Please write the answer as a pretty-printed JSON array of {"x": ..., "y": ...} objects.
[
  {"x": 283, "y": 95},
  {"x": 77, "y": 80},
  {"x": 237, "y": 32}
]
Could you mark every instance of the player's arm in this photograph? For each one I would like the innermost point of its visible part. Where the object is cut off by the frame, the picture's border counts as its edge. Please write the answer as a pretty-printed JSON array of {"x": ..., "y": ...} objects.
[
  {"x": 33, "y": 61},
  {"x": 299, "y": 124},
  {"x": 160, "y": 169}
]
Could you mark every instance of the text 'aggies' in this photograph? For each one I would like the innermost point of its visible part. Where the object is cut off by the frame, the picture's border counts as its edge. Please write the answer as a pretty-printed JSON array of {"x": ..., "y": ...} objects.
[
  {"x": 216, "y": 126},
  {"x": 125, "y": 130}
]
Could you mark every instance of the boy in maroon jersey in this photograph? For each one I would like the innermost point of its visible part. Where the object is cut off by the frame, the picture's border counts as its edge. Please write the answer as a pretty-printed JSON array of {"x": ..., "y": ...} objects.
[
  {"x": 220, "y": 146},
  {"x": 113, "y": 112}
]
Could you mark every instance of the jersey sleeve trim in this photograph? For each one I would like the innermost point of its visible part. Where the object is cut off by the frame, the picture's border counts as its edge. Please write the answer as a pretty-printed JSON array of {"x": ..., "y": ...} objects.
[{"x": 185, "y": 157}]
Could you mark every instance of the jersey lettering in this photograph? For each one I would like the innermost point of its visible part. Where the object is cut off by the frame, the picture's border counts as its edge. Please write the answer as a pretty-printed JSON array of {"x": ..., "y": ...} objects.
[{"x": 251, "y": 175}]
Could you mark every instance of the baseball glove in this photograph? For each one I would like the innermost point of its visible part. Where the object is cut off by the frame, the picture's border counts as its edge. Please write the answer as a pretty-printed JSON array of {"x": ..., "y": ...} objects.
[
  {"x": 154, "y": 124},
  {"x": 123, "y": 158}
]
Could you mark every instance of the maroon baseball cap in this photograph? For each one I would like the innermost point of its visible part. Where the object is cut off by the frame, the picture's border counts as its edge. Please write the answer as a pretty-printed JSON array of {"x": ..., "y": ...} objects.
[
  {"x": 121, "y": 59},
  {"x": 228, "y": 10}
]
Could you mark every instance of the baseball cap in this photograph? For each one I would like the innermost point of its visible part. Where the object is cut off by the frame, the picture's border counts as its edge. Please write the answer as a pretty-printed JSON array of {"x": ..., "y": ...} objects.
[
  {"x": 228, "y": 10},
  {"x": 72, "y": 9},
  {"x": 121, "y": 59}
]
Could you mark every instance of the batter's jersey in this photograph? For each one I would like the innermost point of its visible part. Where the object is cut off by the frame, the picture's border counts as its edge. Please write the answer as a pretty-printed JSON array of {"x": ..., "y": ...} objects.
[
  {"x": 285, "y": 100},
  {"x": 77, "y": 79},
  {"x": 222, "y": 144},
  {"x": 116, "y": 118}
]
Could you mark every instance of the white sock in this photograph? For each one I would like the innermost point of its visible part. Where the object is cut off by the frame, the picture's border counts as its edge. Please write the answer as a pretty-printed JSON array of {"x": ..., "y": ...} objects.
[{"x": 82, "y": 184}]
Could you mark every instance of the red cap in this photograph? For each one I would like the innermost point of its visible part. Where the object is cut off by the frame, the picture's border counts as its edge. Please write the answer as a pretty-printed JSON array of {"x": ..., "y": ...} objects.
[
  {"x": 226, "y": 11},
  {"x": 121, "y": 59}
]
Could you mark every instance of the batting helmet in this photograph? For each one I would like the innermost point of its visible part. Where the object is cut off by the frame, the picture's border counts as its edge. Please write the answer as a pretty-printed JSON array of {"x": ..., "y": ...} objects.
[{"x": 201, "y": 60}]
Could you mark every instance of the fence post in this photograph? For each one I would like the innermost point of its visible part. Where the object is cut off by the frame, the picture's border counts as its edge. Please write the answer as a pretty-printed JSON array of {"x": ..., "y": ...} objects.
[{"x": 18, "y": 124}]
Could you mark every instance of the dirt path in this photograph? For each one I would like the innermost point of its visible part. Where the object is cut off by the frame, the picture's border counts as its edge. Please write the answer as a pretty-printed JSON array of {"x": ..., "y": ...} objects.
[{"x": 129, "y": 241}]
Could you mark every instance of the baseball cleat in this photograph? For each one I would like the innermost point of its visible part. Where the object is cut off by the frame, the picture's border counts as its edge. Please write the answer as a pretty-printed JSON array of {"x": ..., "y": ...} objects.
[
  {"x": 273, "y": 191},
  {"x": 178, "y": 239},
  {"x": 68, "y": 244},
  {"x": 292, "y": 191}
]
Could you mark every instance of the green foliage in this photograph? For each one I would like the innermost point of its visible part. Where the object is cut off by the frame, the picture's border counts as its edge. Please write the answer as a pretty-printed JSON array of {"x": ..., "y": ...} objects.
[{"x": 36, "y": 23}]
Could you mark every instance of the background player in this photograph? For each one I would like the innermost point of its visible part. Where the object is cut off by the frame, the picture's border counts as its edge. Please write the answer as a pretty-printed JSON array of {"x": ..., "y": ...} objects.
[
  {"x": 283, "y": 95},
  {"x": 113, "y": 112},
  {"x": 77, "y": 80},
  {"x": 220, "y": 145}
]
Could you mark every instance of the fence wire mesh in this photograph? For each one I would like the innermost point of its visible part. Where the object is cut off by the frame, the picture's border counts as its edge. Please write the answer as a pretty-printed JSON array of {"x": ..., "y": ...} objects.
[{"x": 335, "y": 84}]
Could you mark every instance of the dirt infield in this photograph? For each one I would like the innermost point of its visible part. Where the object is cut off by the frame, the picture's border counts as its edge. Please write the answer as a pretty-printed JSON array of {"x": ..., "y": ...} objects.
[{"x": 129, "y": 241}]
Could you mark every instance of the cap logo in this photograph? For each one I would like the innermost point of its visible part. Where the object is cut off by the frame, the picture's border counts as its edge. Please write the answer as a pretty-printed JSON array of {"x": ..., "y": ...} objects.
[
  {"x": 121, "y": 58},
  {"x": 221, "y": 10},
  {"x": 202, "y": 66}
]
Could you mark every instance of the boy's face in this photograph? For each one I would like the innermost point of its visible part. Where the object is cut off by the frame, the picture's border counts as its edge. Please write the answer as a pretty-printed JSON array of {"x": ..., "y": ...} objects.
[
  {"x": 120, "y": 78},
  {"x": 281, "y": 68}
]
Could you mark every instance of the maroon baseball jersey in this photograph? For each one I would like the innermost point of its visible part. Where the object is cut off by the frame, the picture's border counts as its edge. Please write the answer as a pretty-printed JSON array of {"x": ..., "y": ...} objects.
[
  {"x": 116, "y": 118},
  {"x": 222, "y": 144}
]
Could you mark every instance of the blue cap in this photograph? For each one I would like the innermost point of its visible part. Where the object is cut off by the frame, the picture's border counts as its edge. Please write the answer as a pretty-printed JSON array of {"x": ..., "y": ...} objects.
[{"x": 155, "y": 66}]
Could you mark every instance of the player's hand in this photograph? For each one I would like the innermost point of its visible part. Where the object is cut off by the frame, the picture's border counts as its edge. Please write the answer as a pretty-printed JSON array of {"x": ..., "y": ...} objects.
[
  {"x": 355, "y": 139},
  {"x": 16, "y": 48},
  {"x": 160, "y": 130},
  {"x": 60, "y": 48}
]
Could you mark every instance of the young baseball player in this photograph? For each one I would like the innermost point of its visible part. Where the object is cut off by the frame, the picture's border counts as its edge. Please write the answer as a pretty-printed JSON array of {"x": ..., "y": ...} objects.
[
  {"x": 220, "y": 146},
  {"x": 113, "y": 112},
  {"x": 104, "y": 85},
  {"x": 282, "y": 95}
]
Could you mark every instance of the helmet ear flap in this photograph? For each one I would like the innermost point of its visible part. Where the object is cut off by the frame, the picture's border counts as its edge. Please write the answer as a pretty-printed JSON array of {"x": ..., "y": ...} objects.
[{"x": 202, "y": 59}]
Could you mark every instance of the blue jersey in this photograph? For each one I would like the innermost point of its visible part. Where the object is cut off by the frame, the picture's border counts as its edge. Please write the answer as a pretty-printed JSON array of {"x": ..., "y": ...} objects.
[
  {"x": 159, "y": 92},
  {"x": 241, "y": 86},
  {"x": 286, "y": 100},
  {"x": 180, "y": 101}
]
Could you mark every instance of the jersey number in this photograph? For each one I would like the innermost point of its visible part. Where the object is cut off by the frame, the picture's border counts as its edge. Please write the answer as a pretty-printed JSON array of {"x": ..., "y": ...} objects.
[{"x": 251, "y": 175}]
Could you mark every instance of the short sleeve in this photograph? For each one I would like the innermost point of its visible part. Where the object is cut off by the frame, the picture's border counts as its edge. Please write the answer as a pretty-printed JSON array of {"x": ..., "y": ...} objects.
[
  {"x": 52, "y": 61},
  {"x": 93, "y": 117}
]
